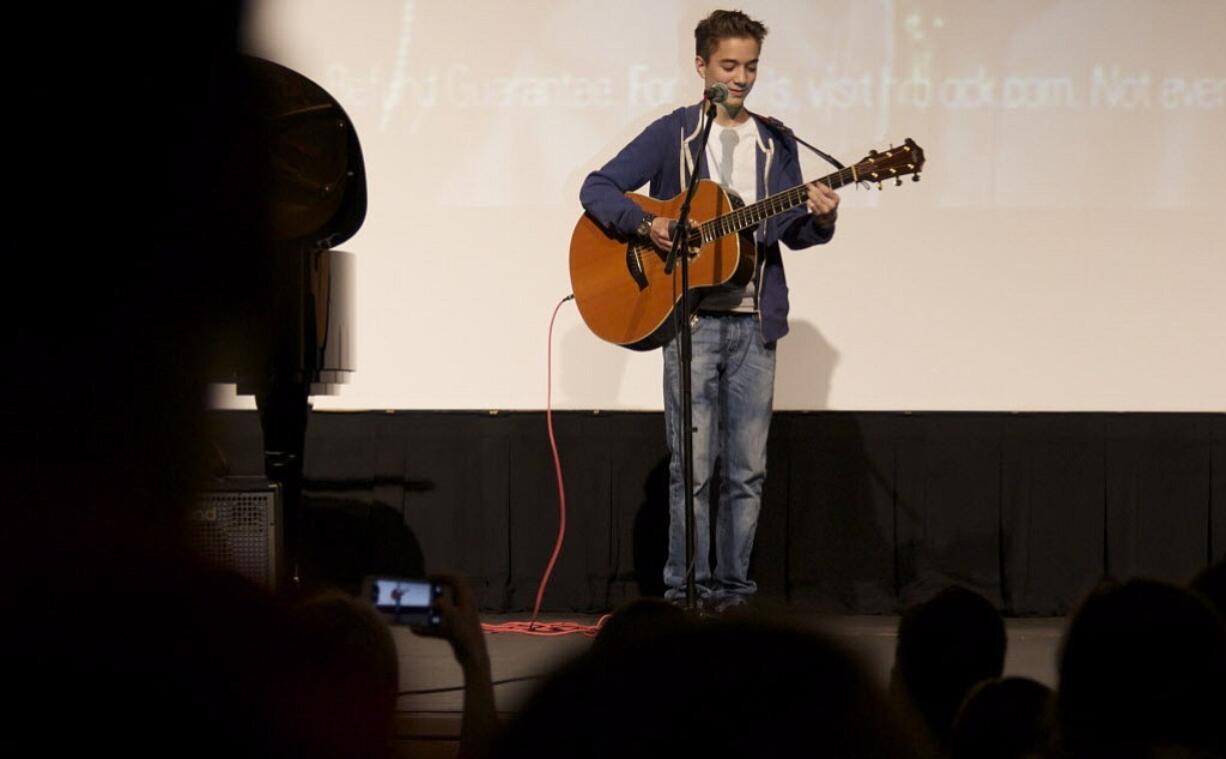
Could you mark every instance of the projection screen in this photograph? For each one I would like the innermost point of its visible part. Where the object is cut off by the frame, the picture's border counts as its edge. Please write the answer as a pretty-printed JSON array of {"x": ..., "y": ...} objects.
[{"x": 1062, "y": 251}]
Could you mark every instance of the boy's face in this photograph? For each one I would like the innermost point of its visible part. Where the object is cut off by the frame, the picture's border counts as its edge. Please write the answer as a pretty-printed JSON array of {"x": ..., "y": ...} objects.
[{"x": 734, "y": 62}]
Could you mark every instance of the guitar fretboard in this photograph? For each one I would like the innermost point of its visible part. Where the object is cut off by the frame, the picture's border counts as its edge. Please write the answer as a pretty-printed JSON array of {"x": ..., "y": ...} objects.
[{"x": 756, "y": 213}]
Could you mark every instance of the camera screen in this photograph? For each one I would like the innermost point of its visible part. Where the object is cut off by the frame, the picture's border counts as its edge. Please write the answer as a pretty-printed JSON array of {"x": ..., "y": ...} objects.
[{"x": 390, "y": 594}]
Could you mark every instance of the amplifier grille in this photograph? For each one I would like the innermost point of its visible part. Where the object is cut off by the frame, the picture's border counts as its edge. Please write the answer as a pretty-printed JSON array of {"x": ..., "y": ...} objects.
[{"x": 239, "y": 528}]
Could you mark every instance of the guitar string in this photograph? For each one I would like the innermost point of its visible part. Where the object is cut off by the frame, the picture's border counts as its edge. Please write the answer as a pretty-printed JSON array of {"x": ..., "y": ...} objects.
[
  {"x": 792, "y": 197},
  {"x": 778, "y": 203},
  {"x": 757, "y": 212}
]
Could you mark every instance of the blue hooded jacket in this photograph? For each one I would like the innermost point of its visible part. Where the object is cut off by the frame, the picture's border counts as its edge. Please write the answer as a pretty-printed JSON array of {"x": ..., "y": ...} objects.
[{"x": 663, "y": 154}]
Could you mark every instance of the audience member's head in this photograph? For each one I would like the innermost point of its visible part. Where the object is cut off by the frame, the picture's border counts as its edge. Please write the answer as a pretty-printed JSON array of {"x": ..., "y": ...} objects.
[
  {"x": 122, "y": 642},
  {"x": 1004, "y": 718},
  {"x": 639, "y": 621},
  {"x": 947, "y": 645},
  {"x": 151, "y": 658},
  {"x": 1142, "y": 669},
  {"x": 717, "y": 688},
  {"x": 141, "y": 273},
  {"x": 347, "y": 678},
  {"x": 1211, "y": 584}
]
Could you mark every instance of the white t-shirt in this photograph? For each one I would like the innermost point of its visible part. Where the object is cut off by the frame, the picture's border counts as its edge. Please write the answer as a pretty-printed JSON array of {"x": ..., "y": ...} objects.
[{"x": 732, "y": 161}]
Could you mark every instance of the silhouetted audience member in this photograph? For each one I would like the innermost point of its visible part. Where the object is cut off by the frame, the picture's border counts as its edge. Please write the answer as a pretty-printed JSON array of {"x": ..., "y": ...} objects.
[
  {"x": 1211, "y": 583},
  {"x": 138, "y": 244},
  {"x": 346, "y": 678},
  {"x": 461, "y": 627},
  {"x": 148, "y": 656},
  {"x": 721, "y": 688},
  {"x": 946, "y": 645},
  {"x": 1004, "y": 718},
  {"x": 1143, "y": 673},
  {"x": 639, "y": 621},
  {"x": 346, "y": 675}
]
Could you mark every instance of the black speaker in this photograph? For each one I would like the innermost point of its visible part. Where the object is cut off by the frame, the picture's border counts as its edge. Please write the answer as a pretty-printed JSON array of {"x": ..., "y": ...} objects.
[{"x": 237, "y": 524}]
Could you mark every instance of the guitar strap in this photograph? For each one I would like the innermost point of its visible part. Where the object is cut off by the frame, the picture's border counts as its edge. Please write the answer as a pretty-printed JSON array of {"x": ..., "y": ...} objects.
[
  {"x": 689, "y": 151},
  {"x": 777, "y": 124}
]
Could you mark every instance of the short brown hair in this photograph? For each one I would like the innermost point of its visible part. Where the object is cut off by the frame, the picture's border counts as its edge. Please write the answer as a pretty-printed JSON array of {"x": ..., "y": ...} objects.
[{"x": 722, "y": 25}]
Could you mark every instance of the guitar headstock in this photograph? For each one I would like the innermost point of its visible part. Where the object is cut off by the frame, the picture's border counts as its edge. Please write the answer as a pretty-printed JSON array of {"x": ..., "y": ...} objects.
[{"x": 894, "y": 163}]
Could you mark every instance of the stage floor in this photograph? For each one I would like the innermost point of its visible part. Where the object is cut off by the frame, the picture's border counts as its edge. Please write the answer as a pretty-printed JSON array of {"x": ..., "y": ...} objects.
[{"x": 428, "y": 723}]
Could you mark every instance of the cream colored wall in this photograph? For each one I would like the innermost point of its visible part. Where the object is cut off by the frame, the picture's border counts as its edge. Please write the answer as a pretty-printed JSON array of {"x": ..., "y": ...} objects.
[{"x": 1062, "y": 252}]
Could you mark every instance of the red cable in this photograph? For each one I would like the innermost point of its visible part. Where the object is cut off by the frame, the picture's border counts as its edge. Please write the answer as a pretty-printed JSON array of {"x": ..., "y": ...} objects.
[
  {"x": 532, "y": 627},
  {"x": 557, "y": 464}
]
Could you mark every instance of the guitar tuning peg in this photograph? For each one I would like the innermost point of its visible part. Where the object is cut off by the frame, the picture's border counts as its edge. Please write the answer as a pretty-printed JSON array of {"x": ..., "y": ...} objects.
[
  {"x": 878, "y": 186},
  {"x": 898, "y": 181},
  {"x": 915, "y": 177},
  {"x": 872, "y": 154}
]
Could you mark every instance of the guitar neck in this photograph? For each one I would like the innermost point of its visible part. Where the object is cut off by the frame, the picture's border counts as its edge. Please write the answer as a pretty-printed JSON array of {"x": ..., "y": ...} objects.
[{"x": 753, "y": 215}]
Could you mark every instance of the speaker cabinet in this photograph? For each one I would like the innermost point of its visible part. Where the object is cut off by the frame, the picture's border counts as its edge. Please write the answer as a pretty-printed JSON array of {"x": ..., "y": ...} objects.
[{"x": 237, "y": 524}]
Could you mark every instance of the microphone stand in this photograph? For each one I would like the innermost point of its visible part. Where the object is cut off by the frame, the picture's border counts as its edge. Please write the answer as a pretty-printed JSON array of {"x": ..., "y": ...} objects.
[{"x": 680, "y": 249}]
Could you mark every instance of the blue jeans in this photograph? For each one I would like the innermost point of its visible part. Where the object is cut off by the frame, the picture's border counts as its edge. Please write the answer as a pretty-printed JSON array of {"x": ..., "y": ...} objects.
[{"x": 733, "y": 383}]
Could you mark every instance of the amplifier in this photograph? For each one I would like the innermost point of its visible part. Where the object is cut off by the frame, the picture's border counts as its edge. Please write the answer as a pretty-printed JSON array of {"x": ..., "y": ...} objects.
[{"x": 237, "y": 524}]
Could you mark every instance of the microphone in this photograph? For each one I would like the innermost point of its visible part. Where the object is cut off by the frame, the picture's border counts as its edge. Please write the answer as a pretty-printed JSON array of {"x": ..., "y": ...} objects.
[{"x": 716, "y": 93}]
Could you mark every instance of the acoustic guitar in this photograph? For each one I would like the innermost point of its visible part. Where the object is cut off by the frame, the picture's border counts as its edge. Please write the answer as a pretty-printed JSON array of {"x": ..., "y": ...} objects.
[{"x": 621, "y": 288}]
